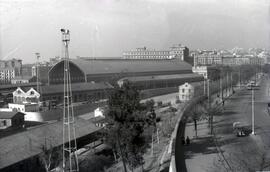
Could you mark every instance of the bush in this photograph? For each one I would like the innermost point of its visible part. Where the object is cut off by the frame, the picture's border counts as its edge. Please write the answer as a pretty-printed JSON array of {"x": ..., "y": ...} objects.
[
  {"x": 95, "y": 163},
  {"x": 159, "y": 103},
  {"x": 158, "y": 119}
]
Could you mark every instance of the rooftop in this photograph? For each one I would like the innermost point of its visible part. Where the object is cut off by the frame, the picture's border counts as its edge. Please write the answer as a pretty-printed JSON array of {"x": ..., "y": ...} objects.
[
  {"x": 91, "y": 67},
  {"x": 9, "y": 115},
  {"x": 162, "y": 77},
  {"x": 85, "y": 86},
  {"x": 22, "y": 77},
  {"x": 23, "y": 145}
]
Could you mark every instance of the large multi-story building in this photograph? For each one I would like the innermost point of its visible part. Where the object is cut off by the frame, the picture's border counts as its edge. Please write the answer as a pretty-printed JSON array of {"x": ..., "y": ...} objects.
[
  {"x": 215, "y": 58},
  {"x": 9, "y": 69},
  {"x": 6, "y": 74},
  {"x": 205, "y": 58},
  {"x": 176, "y": 51}
]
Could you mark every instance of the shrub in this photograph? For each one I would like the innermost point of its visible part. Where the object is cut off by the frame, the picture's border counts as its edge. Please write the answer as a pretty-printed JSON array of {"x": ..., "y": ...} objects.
[{"x": 159, "y": 103}]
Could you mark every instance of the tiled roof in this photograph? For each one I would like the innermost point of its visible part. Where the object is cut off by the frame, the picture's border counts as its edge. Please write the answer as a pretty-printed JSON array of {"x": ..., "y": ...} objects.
[
  {"x": 8, "y": 115},
  {"x": 31, "y": 84},
  {"x": 162, "y": 77},
  {"x": 23, "y": 145},
  {"x": 22, "y": 77},
  {"x": 118, "y": 66},
  {"x": 85, "y": 86}
]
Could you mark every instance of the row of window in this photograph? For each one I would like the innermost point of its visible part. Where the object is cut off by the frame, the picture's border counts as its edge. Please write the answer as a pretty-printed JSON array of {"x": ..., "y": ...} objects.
[
  {"x": 61, "y": 79},
  {"x": 146, "y": 53},
  {"x": 78, "y": 97},
  {"x": 188, "y": 90},
  {"x": 146, "y": 57}
]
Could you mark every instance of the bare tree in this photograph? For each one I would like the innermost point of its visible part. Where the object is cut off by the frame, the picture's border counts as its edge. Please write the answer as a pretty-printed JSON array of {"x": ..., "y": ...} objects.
[{"x": 49, "y": 157}]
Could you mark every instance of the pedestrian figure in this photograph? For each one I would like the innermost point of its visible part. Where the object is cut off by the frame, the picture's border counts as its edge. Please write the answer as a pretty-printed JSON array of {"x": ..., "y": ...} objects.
[
  {"x": 223, "y": 102},
  {"x": 187, "y": 141},
  {"x": 183, "y": 141}
]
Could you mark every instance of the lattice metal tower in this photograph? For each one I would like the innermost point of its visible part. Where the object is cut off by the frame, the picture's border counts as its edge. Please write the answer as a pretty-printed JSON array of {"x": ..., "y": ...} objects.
[
  {"x": 37, "y": 71},
  {"x": 70, "y": 159}
]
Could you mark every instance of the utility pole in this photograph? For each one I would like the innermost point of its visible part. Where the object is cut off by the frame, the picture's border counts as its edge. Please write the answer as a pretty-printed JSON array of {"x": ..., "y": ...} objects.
[
  {"x": 252, "y": 109},
  {"x": 204, "y": 87},
  {"x": 231, "y": 82},
  {"x": 239, "y": 77},
  {"x": 70, "y": 159},
  {"x": 209, "y": 106},
  {"x": 227, "y": 85},
  {"x": 37, "y": 71},
  {"x": 220, "y": 88}
]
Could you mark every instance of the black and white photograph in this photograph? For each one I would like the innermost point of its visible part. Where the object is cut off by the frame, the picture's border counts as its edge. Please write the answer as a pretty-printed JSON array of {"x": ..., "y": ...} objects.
[{"x": 134, "y": 85}]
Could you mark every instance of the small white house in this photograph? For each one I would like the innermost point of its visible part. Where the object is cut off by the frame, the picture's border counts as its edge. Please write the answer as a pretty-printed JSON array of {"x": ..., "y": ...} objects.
[
  {"x": 186, "y": 92},
  {"x": 99, "y": 112}
]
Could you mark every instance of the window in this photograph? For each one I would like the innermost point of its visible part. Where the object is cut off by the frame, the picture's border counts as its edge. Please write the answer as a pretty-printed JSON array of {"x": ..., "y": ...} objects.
[
  {"x": 189, "y": 90},
  {"x": 183, "y": 90},
  {"x": 5, "y": 123}
]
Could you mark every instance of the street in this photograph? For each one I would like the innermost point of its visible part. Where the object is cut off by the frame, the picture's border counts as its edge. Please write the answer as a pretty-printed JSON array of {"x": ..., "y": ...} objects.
[
  {"x": 250, "y": 152},
  {"x": 224, "y": 151}
]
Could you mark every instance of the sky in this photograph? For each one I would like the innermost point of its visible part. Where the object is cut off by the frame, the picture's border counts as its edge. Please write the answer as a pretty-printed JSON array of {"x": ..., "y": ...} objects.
[{"x": 106, "y": 28}]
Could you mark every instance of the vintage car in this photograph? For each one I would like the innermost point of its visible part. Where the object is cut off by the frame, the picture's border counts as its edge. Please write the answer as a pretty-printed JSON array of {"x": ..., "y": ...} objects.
[{"x": 240, "y": 130}]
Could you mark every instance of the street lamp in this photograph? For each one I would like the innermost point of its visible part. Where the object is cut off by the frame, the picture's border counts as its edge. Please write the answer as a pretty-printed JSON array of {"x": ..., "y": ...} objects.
[{"x": 252, "y": 110}]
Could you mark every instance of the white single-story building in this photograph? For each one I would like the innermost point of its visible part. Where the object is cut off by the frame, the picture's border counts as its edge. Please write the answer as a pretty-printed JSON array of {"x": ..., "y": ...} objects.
[{"x": 99, "y": 112}]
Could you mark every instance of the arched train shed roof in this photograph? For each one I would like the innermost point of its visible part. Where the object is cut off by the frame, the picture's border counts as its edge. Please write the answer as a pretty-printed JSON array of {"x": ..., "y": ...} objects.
[{"x": 129, "y": 66}]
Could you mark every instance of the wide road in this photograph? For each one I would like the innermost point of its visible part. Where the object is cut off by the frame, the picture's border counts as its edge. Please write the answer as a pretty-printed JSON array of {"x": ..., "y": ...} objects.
[{"x": 248, "y": 153}]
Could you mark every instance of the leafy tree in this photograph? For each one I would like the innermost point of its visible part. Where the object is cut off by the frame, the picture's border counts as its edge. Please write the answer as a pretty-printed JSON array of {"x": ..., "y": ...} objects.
[{"x": 127, "y": 119}]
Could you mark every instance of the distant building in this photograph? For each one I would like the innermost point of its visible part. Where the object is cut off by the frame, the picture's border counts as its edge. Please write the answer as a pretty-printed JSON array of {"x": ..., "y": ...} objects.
[
  {"x": 27, "y": 70},
  {"x": 144, "y": 53},
  {"x": 99, "y": 112},
  {"x": 186, "y": 92},
  {"x": 25, "y": 101},
  {"x": 208, "y": 72},
  {"x": 29, "y": 96},
  {"x": 180, "y": 52},
  {"x": 43, "y": 70},
  {"x": 54, "y": 60},
  {"x": 177, "y": 51},
  {"x": 266, "y": 56},
  {"x": 213, "y": 58},
  {"x": 21, "y": 79},
  {"x": 9, "y": 69},
  {"x": 11, "y": 120},
  {"x": 113, "y": 70},
  {"x": 207, "y": 58}
]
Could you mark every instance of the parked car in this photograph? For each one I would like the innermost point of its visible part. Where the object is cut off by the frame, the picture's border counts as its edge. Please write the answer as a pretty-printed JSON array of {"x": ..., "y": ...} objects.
[{"x": 240, "y": 130}]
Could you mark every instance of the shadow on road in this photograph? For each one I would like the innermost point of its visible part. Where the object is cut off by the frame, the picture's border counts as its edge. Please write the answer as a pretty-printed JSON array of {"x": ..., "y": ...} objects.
[{"x": 203, "y": 145}]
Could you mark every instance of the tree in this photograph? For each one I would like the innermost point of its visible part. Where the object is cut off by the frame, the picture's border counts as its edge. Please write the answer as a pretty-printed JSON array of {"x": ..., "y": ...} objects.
[
  {"x": 127, "y": 119},
  {"x": 50, "y": 157},
  {"x": 196, "y": 113},
  {"x": 211, "y": 112}
]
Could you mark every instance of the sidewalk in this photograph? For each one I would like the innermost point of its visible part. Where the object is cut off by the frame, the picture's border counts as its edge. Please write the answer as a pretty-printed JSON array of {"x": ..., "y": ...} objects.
[{"x": 202, "y": 153}]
